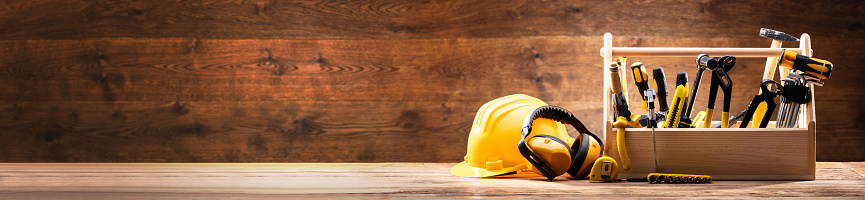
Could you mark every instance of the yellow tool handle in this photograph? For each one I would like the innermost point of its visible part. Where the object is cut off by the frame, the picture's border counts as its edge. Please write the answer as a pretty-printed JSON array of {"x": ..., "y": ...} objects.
[
  {"x": 675, "y": 112},
  {"x": 635, "y": 121},
  {"x": 758, "y": 115},
  {"x": 620, "y": 125},
  {"x": 641, "y": 79},
  {"x": 698, "y": 120},
  {"x": 708, "y": 120},
  {"x": 725, "y": 120}
]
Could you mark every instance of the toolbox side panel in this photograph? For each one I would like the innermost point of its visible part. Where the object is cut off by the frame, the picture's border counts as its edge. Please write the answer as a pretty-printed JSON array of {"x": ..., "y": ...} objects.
[{"x": 724, "y": 154}]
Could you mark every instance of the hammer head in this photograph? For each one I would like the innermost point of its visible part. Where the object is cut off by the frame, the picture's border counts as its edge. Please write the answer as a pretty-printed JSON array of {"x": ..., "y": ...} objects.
[{"x": 777, "y": 35}]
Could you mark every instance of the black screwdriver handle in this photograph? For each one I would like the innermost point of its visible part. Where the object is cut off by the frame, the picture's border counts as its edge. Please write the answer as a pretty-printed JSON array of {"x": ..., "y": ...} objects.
[{"x": 660, "y": 81}]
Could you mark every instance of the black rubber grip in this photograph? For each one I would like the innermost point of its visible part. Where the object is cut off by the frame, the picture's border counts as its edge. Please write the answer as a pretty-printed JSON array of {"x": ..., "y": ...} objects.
[{"x": 660, "y": 88}]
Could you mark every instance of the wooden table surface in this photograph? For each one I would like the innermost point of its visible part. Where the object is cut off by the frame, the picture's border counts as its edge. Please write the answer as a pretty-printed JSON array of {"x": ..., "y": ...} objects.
[{"x": 372, "y": 180}]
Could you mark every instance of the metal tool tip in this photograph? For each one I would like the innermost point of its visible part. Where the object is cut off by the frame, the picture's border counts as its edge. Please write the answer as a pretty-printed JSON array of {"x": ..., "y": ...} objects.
[{"x": 777, "y": 35}]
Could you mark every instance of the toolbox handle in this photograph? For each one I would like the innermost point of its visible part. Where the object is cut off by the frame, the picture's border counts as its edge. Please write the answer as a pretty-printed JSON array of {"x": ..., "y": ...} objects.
[{"x": 693, "y": 52}]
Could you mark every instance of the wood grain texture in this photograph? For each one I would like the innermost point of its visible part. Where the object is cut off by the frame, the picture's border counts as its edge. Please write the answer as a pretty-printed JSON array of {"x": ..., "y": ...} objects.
[
  {"x": 47, "y": 83},
  {"x": 295, "y": 70},
  {"x": 308, "y": 19},
  {"x": 238, "y": 131},
  {"x": 202, "y": 81},
  {"x": 375, "y": 181},
  {"x": 741, "y": 154}
]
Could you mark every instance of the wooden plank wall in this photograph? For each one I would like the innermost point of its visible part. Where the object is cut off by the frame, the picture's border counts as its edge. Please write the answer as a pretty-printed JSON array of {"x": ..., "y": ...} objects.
[{"x": 361, "y": 81}]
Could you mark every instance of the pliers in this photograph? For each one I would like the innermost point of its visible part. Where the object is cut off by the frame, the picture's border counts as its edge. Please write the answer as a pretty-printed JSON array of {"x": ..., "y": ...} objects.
[
  {"x": 722, "y": 80},
  {"x": 623, "y": 120},
  {"x": 764, "y": 96}
]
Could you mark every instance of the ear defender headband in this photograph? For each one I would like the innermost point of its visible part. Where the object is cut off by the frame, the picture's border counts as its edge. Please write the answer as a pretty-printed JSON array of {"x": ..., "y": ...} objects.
[{"x": 563, "y": 116}]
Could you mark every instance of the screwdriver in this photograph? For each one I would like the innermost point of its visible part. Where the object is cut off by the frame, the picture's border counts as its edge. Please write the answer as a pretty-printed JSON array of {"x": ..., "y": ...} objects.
[
  {"x": 818, "y": 68},
  {"x": 641, "y": 80},
  {"x": 660, "y": 80}
]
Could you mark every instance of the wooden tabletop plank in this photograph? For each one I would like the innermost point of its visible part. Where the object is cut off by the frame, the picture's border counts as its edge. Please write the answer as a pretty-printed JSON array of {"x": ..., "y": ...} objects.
[{"x": 372, "y": 180}]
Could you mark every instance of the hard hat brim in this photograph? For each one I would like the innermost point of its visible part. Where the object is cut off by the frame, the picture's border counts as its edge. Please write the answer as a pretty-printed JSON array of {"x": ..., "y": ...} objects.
[{"x": 464, "y": 170}]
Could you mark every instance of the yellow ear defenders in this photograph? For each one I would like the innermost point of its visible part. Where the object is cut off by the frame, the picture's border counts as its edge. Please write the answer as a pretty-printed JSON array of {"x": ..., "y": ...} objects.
[{"x": 546, "y": 157}]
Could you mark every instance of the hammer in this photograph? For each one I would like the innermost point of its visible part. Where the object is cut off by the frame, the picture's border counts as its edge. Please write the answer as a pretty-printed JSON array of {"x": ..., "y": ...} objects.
[
  {"x": 771, "y": 62},
  {"x": 777, "y": 37}
]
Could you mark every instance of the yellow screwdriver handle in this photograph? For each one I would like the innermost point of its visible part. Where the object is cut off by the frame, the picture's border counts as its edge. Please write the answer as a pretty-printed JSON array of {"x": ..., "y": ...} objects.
[{"x": 638, "y": 73}]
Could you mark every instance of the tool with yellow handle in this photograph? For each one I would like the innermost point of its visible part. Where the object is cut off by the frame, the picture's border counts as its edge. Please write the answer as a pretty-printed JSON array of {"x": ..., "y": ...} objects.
[
  {"x": 766, "y": 97},
  {"x": 684, "y": 118},
  {"x": 623, "y": 117},
  {"x": 812, "y": 67},
  {"x": 698, "y": 120},
  {"x": 720, "y": 79},
  {"x": 761, "y": 108},
  {"x": 771, "y": 65},
  {"x": 679, "y": 100},
  {"x": 638, "y": 73}
]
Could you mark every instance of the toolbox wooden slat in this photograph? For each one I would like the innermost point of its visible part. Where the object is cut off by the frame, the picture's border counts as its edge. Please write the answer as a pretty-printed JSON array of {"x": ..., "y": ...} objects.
[
  {"x": 724, "y": 154},
  {"x": 743, "y": 154}
]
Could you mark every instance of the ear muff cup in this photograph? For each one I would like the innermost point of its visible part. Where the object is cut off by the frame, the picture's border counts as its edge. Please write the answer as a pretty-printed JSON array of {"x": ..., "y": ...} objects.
[
  {"x": 589, "y": 150},
  {"x": 553, "y": 151},
  {"x": 589, "y": 145}
]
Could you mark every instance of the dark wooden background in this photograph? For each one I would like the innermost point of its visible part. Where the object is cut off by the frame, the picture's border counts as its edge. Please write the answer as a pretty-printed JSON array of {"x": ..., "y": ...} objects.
[{"x": 362, "y": 81}]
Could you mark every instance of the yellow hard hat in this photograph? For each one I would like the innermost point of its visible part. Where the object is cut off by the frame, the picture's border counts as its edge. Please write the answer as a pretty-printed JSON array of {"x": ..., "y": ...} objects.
[{"x": 496, "y": 130}]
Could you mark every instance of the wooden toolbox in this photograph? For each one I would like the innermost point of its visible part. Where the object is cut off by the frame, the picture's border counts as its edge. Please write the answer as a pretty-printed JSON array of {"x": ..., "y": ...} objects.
[{"x": 723, "y": 153}]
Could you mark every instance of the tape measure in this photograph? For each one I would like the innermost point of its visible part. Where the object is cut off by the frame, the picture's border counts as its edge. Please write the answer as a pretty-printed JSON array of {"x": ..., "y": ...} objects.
[{"x": 605, "y": 169}]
